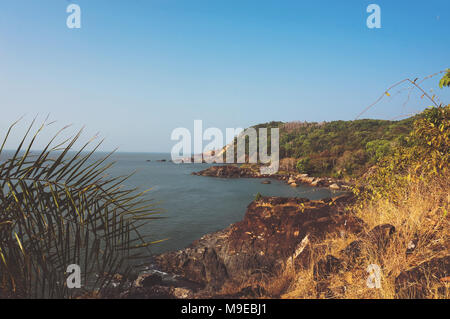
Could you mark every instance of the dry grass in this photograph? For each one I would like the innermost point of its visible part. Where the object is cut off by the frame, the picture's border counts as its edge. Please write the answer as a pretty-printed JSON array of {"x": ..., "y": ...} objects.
[{"x": 420, "y": 217}]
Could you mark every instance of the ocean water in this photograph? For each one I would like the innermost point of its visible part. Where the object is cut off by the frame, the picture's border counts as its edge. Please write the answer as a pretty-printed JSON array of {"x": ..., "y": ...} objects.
[
  {"x": 195, "y": 205},
  {"x": 192, "y": 206}
]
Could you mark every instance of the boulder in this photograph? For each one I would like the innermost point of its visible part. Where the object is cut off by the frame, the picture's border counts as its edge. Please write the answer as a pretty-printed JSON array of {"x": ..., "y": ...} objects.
[
  {"x": 325, "y": 267},
  {"x": 335, "y": 186},
  {"x": 420, "y": 280},
  {"x": 226, "y": 171},
  {"x": 353, "y": 251},
  {"x": 316, "y": 182},
  {"x": 308, "y": 180},
  {"x": 381, "y": 235},
  {"x": 182, "y": 293}
]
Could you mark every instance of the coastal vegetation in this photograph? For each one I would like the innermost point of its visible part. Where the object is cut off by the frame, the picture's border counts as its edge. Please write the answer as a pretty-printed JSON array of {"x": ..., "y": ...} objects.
[
  {"x": 346, "y": 149},
  {"x": 340, "y": 148},
  {"x": 406, "y": 192},
  {"x": 58, "y": 208}
]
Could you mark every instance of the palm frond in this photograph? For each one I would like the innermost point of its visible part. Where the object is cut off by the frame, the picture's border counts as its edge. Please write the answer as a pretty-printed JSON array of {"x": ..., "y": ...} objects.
[{"x": 58, "y": 207}]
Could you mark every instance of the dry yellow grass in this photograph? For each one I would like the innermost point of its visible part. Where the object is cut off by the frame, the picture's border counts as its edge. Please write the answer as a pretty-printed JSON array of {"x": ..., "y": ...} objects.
[{"x": 420, "y": 217}]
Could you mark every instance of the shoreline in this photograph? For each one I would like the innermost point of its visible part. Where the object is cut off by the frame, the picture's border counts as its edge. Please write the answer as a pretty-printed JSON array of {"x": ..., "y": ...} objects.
[
  {"x": 277, "y": 234},
  {"x": 270, "y": 236},
  {"x": 291, "y": 178}
]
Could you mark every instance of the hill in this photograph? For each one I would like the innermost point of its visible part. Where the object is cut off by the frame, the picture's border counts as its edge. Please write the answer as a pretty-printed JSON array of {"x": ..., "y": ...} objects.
[{"x": 338, "y": 148}]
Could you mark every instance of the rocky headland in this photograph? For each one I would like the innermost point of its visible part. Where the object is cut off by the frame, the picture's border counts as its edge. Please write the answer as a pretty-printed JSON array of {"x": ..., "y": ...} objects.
[{"x": 291, "y": 178}]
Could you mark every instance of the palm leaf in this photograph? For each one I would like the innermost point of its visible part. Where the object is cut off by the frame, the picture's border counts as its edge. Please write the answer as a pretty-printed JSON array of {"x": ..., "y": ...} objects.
[{"x": 58, "y": 208}]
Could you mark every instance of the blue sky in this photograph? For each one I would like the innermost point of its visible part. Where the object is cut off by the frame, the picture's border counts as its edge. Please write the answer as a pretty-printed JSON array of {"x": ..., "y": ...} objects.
[{"x": 138, "y": 69}]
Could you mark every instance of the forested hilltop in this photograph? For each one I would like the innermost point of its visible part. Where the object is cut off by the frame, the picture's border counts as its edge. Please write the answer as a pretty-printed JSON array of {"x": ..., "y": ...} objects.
[{"x": 338, "y": 148}]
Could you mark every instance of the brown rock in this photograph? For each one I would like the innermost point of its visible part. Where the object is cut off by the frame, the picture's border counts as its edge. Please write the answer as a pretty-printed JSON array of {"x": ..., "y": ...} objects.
[
  {"x": 417, "y": 282},
  {"x": 260, "y": 244},
  {"x": 182, "y": 293},
  {"x": 226, "y": 171},
  {"x": 353, "y": 251},
  {"x": 381, "y": 235},
  {"x": 325, "y": 267},
  {"x": 335, "y": 186}
]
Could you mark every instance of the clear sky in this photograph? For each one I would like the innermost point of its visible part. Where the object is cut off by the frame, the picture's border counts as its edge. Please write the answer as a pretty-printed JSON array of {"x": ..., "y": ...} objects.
[{"x": 138, "y": 69}]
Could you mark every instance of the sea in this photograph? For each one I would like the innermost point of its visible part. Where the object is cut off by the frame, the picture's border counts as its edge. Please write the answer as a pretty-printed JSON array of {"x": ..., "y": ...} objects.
[{"x": 192, "y": 206}]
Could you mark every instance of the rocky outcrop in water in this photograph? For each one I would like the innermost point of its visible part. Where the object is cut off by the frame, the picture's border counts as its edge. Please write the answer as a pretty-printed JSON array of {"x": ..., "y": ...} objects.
[
  {"x": 226, "y": 171},
  {"x": 291, "y": 178}
]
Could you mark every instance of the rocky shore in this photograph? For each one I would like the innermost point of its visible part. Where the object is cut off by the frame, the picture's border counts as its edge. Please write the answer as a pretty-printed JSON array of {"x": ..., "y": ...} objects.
[
  {"x": 271, "y": 234},
  {"x": 275, "y": 233},
  {"x": 291, "y": 178}
]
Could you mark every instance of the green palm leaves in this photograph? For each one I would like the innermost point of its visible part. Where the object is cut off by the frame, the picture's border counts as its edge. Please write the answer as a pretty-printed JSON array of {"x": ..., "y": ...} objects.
[{"x": 58, "y": 207}]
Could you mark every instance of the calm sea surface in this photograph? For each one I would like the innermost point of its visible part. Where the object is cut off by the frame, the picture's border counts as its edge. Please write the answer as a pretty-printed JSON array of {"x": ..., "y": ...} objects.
[
  {"x": 196, "y": 205},
  {"x": 193, "y": 205}
]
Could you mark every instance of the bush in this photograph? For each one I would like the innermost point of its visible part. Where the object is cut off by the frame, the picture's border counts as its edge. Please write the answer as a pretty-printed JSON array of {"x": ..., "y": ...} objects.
[
  {"x": 377, "y": 149},
  {"x": 304, "y": 166},
  {"x": 424, "y": 157}
]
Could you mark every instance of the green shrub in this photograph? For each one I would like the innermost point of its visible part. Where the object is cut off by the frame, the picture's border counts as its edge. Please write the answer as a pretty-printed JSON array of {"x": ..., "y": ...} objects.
[
  {"x": 426, "y": 155},
  {"x": 304, "y": 166},
  {"x": 377, "y": 149}
]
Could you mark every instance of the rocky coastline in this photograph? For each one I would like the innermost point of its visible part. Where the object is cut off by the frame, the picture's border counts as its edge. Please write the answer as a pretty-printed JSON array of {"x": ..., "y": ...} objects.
[
  {"x": 272, "y": 233},
  {"x": 275, "y": 233},
  {"x": 291, "y": 178}
]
